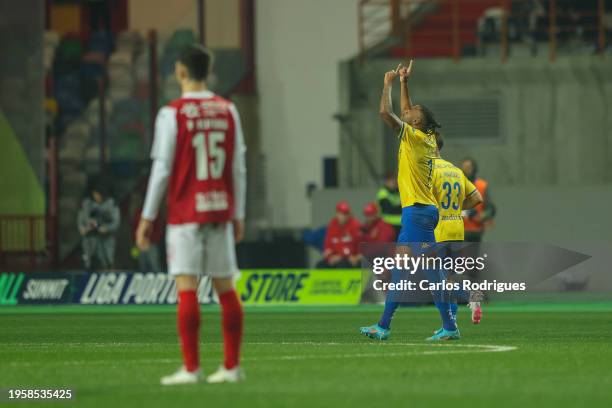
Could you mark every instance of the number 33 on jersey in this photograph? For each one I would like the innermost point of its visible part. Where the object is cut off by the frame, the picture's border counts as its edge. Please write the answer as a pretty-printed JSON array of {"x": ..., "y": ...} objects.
[
  {"x": 450, "y": 187},
  {"x": 201, "y": 137}
]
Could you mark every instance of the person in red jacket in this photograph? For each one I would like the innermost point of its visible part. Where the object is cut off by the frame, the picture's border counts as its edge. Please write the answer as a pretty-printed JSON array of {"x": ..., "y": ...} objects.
[
  {"x": 341, "y": 246},
  {"x": 375, "y": 230}
]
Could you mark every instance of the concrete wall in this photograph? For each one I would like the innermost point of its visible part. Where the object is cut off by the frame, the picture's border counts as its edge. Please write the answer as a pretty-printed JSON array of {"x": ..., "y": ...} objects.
[
  {"x": 145, "y": 15},
  {"x": 299, "y": 45},
  {"x": 222, "y": 23},
  {"x": 556, "y": 117},
  {"x": 221, "y": 19}
]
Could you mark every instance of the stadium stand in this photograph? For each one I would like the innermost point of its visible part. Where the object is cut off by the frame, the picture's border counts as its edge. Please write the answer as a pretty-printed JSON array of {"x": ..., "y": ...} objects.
[
  {"x": 80, "y": 75},
  {"x": 82, "y": 71},
  {"x": 432, "y": 28},
  {"x": 431, "y": 37}
]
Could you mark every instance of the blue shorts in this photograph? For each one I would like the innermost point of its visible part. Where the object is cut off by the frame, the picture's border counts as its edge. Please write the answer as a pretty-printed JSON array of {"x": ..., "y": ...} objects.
[
  {"x": 417, "y": 233},
  {"x": 418, "y": 224}
]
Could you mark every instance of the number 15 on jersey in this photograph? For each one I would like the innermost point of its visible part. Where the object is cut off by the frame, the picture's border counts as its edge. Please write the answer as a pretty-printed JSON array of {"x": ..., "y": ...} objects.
[{"x": 210, "y": 157}]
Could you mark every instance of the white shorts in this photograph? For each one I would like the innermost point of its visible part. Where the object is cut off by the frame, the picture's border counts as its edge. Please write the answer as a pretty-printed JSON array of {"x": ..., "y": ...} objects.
[{"x": 201, "y": 249}]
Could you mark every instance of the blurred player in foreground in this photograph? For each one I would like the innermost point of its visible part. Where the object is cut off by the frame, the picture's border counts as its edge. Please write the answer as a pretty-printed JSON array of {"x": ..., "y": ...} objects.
[
  {"x": 417, "y": 151},
  {"x": 454, "y": 192},
  {"x": 198, "y": 153}
]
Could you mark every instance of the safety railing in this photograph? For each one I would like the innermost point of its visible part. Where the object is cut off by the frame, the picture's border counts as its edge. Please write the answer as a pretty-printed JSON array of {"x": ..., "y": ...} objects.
[
  {"x": 456, "y": 28},
  {"x": 379, "y": 19},
  {"x": 27, "y": 240}
]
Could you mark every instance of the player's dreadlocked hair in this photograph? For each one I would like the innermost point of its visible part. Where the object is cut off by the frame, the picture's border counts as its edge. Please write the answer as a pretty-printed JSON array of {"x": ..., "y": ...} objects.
[
  {"x": 439, "y": 140},
  {"x": 429, "y": 121}
]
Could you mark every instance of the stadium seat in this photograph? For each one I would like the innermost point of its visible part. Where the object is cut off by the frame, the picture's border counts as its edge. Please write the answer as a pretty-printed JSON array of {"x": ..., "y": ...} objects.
[
  {"x": 51, "y": 38},
  {"x": 92, "y": 114},
  {"x": 171, "y": 89},
  {"x": 50, "y": 42},
  {"x": 68, "y": 55},
  {"x": 125, "y": 110},
  {"x": 141, "y": 67},
  {"x": 121, "y": 58},
  {"x": 101, "y": 41},
  {"x": 130, "y": 42},
  {"x": 67, "y": 92}
]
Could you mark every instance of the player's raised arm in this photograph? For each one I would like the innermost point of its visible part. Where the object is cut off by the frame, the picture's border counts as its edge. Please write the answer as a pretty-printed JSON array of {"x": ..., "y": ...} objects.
[
  {"x": 386, "y": 104},
  {"x": 405, "y": 102}
]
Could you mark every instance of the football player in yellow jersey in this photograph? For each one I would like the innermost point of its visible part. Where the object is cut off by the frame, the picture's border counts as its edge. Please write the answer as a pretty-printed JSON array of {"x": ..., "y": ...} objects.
[
  {"x": 454, "y": 192},
  {"x": 416, "y": 130}
]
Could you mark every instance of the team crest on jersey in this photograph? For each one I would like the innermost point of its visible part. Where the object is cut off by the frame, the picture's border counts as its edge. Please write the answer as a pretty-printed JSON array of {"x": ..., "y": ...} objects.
[{"x": 190, "y": 110}]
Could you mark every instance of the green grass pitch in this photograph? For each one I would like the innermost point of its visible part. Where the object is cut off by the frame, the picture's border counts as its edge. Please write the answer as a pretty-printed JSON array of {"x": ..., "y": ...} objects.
[{"x": 520, "y": 356}]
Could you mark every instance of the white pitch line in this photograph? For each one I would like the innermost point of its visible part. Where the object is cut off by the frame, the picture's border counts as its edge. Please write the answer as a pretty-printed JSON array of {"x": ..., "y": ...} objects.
[
  {"x": 445, "y": 348},
  {"x": 468, "y": 348},
  {"x": 257, "y": 343}
]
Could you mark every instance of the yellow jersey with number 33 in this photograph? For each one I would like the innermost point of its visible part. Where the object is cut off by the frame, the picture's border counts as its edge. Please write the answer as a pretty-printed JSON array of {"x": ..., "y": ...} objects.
[
  {"x": 451, "y": 187},
  {"x": 417, "y": 152}
]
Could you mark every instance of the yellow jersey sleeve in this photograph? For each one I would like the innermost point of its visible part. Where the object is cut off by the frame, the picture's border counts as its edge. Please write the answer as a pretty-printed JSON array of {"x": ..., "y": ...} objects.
[{"x": 469, "y": 186}]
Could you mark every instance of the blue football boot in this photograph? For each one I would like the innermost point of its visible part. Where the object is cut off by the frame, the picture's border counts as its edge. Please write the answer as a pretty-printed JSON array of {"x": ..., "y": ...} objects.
[
  {"x": 443, "y": 334},
  {"x": 375, "y": 332}
]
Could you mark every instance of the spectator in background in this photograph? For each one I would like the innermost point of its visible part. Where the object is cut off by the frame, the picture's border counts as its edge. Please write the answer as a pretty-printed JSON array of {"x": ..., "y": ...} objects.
[
  {"x": 479, "y": 218},
  {"x": 489, "y": 27},
  {"x": 375, "y": 230},
  {"x": 537, "y": 17},
  {"x": 390, "y": 203},
  {"x": 98, "y": 220},
  {"x": 341, "y": 247}
]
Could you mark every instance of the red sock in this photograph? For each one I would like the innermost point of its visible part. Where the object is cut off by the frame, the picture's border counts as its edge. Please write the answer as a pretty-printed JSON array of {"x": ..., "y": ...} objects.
[
  {"x": 231, "y": 313},
  {"x": 188, "y": 317}
]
